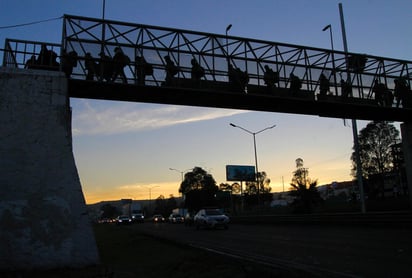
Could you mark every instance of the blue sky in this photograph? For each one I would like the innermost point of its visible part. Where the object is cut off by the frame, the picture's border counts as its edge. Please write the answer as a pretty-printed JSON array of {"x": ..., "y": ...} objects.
[{"x": 123, "y": 149}]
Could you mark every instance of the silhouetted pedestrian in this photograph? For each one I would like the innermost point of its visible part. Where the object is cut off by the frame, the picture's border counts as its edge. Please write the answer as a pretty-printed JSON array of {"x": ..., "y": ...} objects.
[
  {"x": 270, "y": 77},
  {"x": 197, "y": 71},
  {"x": 238, "y": 79},
  {"x": 47, "y": 59},
  {"x": 244, "y": 79},
  {"x": 323, "y": 85},
  {"x": 68, "y": 62},
  {"x": 171, "y": 70},
  {"x": 379, "y": 91},
  {"x": 105, "y": 67},
  {"x": 31, "y": 63},
  {"x": 232, "y": 75},
  {"x": 90, "y": 66},
  {"x": 401, "y": 92},
  {"x": 142, "y": 68},
  {"x": 295, "y": 84},
  {"x": 120, "y": 61},
  {"x": 346, "y": 88},
  {"x": 45, "y": 56}
]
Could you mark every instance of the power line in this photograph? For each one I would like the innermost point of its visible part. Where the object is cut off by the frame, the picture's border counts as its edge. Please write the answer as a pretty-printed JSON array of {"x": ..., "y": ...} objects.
[{"x": 30, "y": 23}]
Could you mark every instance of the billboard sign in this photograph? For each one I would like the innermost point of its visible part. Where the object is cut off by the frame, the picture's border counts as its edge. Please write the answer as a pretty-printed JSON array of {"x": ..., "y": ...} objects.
[{"x": 240, "y": 173}]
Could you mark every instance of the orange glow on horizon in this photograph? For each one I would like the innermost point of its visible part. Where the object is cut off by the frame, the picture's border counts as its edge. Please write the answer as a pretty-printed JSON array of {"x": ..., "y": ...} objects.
[
  {"x": 141, "y": 192},
  {"x": 134, "y": 192}
]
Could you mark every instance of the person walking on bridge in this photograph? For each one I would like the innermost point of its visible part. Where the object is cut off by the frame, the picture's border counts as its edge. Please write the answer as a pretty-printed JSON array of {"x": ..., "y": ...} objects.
[
  {"x": 120, "y": 60},
  {"x": 171, "y": 70},
  {"x": 323, "y": 85}
]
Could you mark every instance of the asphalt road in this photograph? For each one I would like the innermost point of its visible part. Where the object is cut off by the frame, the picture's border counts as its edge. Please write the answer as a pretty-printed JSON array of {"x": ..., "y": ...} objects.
[{"x": 323, "y": 251}]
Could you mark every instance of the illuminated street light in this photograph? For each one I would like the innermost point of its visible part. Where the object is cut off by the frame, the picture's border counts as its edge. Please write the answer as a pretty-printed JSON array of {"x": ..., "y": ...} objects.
[{"x": 254, "y": 145}]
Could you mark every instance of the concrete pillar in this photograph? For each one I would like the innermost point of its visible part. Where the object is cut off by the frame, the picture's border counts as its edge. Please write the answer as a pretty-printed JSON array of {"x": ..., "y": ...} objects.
[
  {"x": 43, "y": 217},
  {"x": 406, "y": 131}
]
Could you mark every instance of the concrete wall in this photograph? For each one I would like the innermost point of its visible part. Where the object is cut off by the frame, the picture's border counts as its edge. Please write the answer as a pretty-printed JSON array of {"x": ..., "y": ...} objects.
[{"x": 43, "y": 216}]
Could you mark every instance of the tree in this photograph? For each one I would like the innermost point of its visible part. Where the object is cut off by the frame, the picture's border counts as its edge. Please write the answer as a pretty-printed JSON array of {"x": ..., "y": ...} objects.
[
  {"x": 264, "y": 187},
  {"x": 165, "y": 206},
  {"x": 171, "y": 203},
  {"x": 251, "y": 190},
  {"x": 199, "y": 188},
  {"x": 198, "y": 179},
  {"x": 376, "y": 142},
  {"x": 307, "y": 196},
  {"x": 304, "y": 189},
  {"x": 160, "y": 205},
  {"x": 301, "y": 173}
]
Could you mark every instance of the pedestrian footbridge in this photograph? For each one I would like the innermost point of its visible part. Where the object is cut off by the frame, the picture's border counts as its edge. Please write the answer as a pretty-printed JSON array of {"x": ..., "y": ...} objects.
[{"x": 234, "y": 71}]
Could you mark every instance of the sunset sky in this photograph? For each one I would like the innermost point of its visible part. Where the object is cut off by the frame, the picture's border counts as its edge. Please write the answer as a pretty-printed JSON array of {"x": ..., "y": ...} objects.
[{"x": 126, "y": 150}]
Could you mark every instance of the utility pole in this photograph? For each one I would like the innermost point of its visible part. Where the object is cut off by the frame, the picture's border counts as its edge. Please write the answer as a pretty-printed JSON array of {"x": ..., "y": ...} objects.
[{"x": 354, "y": 125}]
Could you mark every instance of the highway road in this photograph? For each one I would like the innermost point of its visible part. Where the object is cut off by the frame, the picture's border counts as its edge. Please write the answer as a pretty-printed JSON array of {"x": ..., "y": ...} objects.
[{"x": 318, "y": 250}]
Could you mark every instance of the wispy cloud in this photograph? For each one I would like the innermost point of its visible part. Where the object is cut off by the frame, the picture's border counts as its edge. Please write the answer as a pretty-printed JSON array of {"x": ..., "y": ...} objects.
[{"x": 94, "y": 118}]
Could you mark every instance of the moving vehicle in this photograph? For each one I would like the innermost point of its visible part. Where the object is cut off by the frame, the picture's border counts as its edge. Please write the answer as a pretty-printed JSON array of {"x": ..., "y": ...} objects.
[
  {"x": 123, "y": 220},
  {"x": 138, "y": 217},
  {"x": 158, "y": 218},
  {"x": 189, "y": 218},
  {"x": 176, "y": 218},
  {"x": 211, "y": 218}
]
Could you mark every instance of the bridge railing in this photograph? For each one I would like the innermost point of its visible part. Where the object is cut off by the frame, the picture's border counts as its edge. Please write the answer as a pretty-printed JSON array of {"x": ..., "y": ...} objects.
[
  {"x": 351, "y": 77},
  {"x": 215, "y": 52},
  {"x": 29, "y": 54}
]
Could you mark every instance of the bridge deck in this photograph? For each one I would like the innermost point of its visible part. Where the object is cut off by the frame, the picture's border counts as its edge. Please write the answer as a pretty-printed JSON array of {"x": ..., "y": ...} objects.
[{"x": 268, "y": 102}]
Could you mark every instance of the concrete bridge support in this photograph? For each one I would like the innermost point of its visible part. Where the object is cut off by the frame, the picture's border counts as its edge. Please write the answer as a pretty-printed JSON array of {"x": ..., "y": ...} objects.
[{"x": 43, "y": 217}]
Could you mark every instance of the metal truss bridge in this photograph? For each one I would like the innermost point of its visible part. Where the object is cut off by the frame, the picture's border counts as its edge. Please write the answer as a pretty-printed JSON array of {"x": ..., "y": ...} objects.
[{"x": 225, "y": 61}]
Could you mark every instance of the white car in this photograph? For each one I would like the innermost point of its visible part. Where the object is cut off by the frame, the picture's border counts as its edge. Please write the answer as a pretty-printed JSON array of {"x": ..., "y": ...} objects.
[{"x": 211, "y": 218}]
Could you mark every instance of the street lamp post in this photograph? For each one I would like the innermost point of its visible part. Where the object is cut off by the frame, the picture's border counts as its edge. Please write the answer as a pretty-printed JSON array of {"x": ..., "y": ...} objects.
[
  {"x": 254, "y": 146},
  {"x": 227, "y": 49},
  {"x": 329, "y": 26},
  {"x": 227, "y": 45},
  {"x": 103, "y": 26}
]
